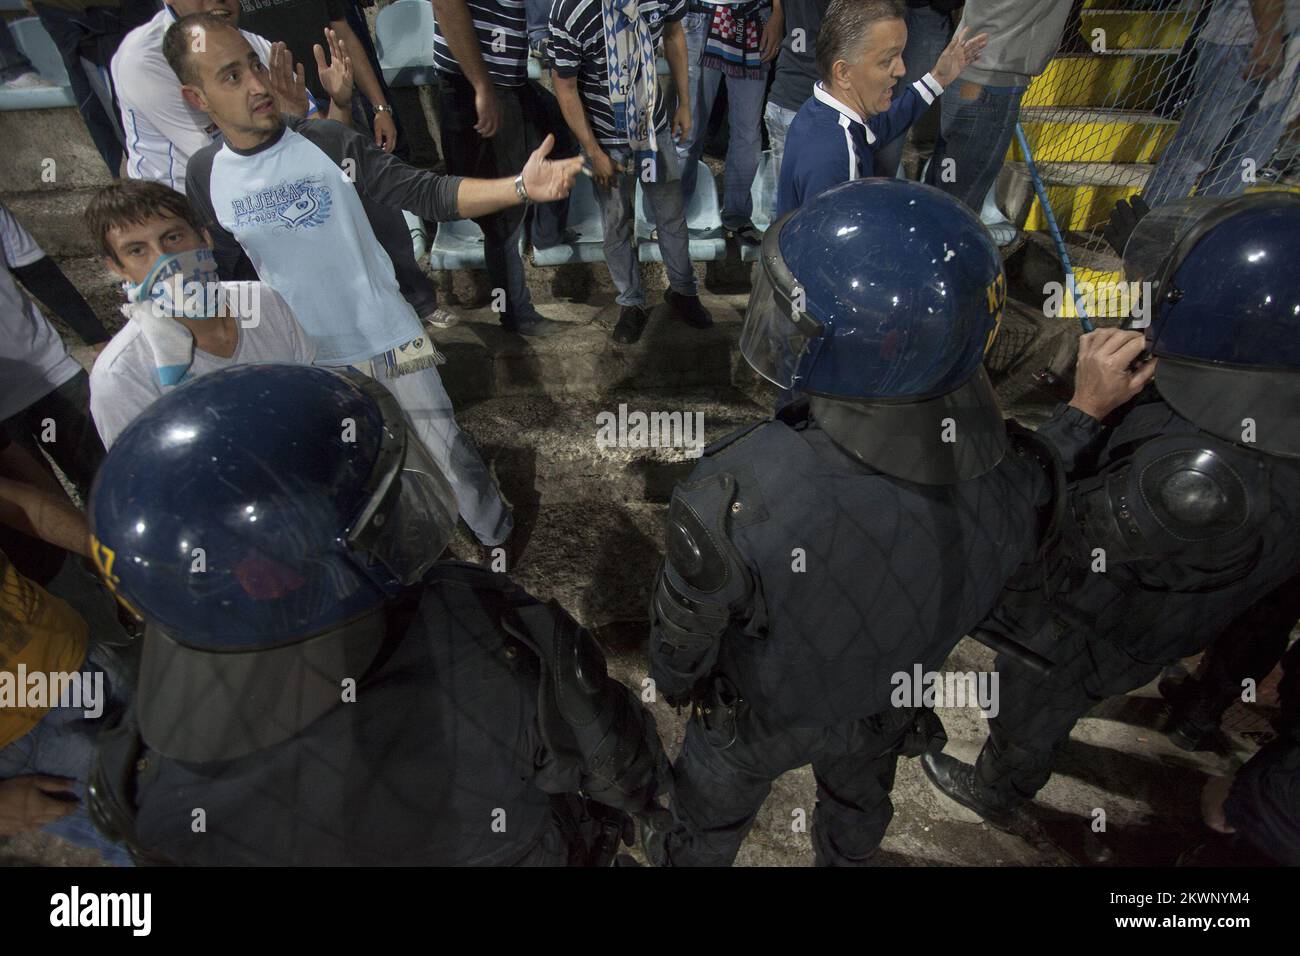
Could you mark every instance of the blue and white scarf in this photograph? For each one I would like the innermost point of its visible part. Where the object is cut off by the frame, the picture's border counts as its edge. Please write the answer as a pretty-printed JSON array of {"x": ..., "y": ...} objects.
[{"x": 630, "y": 55}]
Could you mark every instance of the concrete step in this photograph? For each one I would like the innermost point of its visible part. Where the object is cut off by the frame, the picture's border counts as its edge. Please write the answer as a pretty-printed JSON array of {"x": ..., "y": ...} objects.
[
  {"x": 48, "y": 151},
  {"x": 557, "y": 446}
]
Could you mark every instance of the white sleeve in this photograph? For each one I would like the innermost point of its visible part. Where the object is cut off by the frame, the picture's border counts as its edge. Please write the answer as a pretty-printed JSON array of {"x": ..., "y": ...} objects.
[
  {"x": 20, "y": 249},
  {"x": 161, "y": 128}
]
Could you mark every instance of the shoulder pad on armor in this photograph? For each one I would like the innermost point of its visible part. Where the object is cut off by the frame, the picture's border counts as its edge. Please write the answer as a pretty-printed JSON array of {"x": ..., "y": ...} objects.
[
  {"x": 1174, "y": 493},
  {"x": 700, "y": 551}
]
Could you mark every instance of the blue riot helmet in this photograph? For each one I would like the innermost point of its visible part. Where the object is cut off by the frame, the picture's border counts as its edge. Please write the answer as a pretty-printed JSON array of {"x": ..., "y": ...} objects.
[
  {"x": 878, "y": 300},
  {"x": 1224, "y": 313},
  {"x": 257, "y": 518}
]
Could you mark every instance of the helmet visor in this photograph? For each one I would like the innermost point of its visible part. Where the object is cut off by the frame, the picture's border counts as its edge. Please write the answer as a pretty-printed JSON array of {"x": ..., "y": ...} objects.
[
  {"x": 778, "y": 332},
  {"x": 411, "y": 511}
]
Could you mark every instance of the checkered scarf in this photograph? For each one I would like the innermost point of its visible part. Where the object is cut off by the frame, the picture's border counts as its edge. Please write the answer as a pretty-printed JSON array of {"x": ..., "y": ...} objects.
[
  {"x": 630, "y": 52},
  {"x": 734, "y": 44}
]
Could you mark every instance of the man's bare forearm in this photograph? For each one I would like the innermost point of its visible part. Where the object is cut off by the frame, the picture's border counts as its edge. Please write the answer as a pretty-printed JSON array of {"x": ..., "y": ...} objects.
[
  {"x": 482, "y": 197},
  {"x": 566, "y": 94},
  {"x": 675, "y": 54},
  {"x": 458, "y": 29},
  {"x": 44, "y": 515}
]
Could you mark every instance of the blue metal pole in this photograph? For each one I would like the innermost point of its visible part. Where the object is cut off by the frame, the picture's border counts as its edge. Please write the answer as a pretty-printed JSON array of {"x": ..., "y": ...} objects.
[{"x": 1052, "y": 227}]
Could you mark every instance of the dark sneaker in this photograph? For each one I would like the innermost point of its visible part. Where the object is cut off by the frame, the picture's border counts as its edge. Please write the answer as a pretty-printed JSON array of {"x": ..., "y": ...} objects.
[
  {"x": 748, "y": 235},
  {"x": 535, "y": 328},
  {"x": 689, "y": 309},
  {"x": 631, "y": 323},
  {"x": 957, "y": 780}
]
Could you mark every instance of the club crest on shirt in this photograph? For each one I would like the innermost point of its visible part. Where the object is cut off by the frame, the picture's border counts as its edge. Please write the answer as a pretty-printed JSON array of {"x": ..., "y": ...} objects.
[{"x": 288, "y": 206}]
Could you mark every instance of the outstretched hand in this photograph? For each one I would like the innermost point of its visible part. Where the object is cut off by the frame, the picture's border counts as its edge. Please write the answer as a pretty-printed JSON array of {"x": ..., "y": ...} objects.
[
  {"x": 549, "y": 179},
  {"x": 957, "y": 55}
]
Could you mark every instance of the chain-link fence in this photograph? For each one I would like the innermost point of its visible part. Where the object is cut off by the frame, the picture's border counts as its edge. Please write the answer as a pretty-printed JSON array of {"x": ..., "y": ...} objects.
[{"x": 1162, "y": 98}]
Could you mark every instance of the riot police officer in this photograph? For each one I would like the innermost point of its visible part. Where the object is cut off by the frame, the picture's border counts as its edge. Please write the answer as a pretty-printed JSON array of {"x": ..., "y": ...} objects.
[
  {"x": 315, "y": 687},
  {"x": 1186, "y": 501},
  {"x": 813, "y": 558}
]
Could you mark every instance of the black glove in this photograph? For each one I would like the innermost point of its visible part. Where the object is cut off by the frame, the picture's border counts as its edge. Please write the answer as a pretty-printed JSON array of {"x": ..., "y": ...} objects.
[{"x": 1123, "y": 221}]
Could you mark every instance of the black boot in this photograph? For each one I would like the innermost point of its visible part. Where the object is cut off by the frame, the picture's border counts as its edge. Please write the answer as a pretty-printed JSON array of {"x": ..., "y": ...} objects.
[
  {"x": 957, "y": 780},
  {"x": 631, "y": 322}
]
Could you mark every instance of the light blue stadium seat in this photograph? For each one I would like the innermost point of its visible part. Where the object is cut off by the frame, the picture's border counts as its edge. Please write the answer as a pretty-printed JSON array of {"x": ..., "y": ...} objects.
[
  {"x": 586, "y": 221},
  {"x": 702, "y": 214},
  {"x": 30, "y": 37},
  {"x": 404, "y": 42},
  {"x": 764, "y": 196},
  {"x": 458, "y": 245}
]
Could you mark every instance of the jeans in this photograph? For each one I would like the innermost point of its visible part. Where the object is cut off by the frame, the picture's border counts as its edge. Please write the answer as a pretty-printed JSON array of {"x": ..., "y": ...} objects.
[
  {"x": 427, "y": 406},
  {"x": 665, "y": 199},
  {"x": 1222, "y": 127},
  {"x": 522, "y": 111},
  {"x": 777, "y": 119},
  {"x": 12, "y": 62},
  {"x": 63, "y": 745},
  {"x": 744, "y": 112},
  {"x": 976, "y": 126},
  {"x": 76, "y": 447},
  {"x": 928, "y": 32}
]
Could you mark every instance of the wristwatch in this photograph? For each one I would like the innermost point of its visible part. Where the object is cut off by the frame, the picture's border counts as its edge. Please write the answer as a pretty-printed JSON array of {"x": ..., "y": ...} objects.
[
  {"x": 520, "y": 191},
  {"x": 383, "y": 109}
]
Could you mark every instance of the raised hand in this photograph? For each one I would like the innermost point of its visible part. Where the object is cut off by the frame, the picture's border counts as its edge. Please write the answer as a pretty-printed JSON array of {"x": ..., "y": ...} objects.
[
  {"x": 336, "y": 77},
  {"x": 957, "y": 55}
]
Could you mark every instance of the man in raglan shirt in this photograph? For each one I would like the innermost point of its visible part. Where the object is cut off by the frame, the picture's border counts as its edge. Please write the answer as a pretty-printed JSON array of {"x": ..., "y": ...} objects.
[
  {"x": 302, "y": 194},
  {"x": 853, "y": 109}
]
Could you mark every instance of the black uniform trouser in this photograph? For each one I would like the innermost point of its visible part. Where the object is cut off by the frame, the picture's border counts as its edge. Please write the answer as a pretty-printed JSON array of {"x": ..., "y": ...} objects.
[
  {"x": 718, "y": 789},
  {"x": 76, "y": 447},
  {"x": 1038, "y": 712},
  {"x": 1251, "y": 646}
]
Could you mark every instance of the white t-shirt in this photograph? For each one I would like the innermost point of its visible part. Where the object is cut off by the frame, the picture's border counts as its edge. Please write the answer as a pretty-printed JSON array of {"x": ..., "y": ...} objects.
[
  {"x": 33, "y": 359},
  {"x": 124, "y": 381},
  {"x": 162, "y": 130}
]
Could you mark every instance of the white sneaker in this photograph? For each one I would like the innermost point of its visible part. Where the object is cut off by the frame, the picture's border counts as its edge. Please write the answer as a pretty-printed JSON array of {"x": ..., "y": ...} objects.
[
  {"x": 30, "y": 80},
  {"x": 440, "y": 319}
]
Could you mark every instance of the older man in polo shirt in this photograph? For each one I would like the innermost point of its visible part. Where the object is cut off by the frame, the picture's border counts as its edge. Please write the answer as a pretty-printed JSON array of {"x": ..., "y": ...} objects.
[{"x": 853, "y": 110}]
